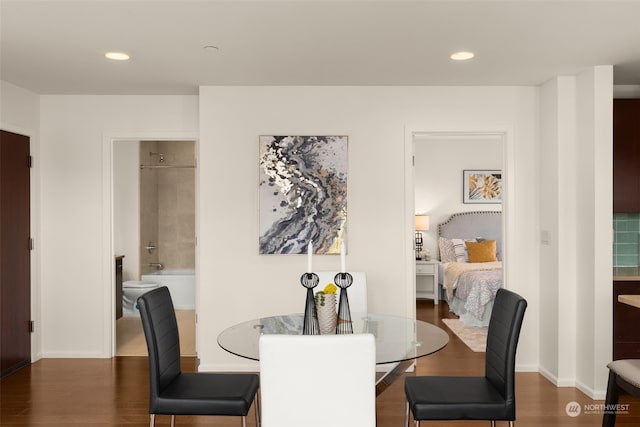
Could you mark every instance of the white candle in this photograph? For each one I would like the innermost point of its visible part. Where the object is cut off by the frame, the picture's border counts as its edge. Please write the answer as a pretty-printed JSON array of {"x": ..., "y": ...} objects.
[
  {"x": 309, "y": 251},
  {"x": 343, "y": 258}
]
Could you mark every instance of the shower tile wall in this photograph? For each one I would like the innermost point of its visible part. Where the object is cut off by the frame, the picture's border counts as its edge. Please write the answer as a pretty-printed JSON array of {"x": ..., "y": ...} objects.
[
  {"x": 171, "y": 211},
  {"x": 148, "y": 206},
  {"x": 177, "y": 206},
  {"x": 626, "y": 246}
]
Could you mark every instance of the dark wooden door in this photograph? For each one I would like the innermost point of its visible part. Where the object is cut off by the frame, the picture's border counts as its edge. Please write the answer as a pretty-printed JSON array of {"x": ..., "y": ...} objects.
[
  {"x": 626, "y": 334},
  {"x": 15, "y": 277},
  {"x": 626, "y": 155}
]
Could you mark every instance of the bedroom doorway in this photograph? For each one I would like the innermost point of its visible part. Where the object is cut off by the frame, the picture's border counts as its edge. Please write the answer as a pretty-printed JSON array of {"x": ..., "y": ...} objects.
[
  {"x": 436, "y": 164},
  {"x": 440, "y": 160}
]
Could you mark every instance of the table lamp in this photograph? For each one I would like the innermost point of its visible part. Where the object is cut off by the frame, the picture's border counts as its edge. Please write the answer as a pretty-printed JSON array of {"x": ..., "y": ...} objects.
[{"x": 421, "y": 224}]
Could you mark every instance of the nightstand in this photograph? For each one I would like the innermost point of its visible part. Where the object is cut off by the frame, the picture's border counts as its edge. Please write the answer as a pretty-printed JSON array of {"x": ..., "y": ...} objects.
[{"x": 427, "y": 280}]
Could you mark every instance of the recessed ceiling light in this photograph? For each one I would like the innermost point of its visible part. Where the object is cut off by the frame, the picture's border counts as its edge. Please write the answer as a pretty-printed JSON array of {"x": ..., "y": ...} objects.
[
  {"x": 117, "y": 56},
  {"x": 462, "y": 56}
]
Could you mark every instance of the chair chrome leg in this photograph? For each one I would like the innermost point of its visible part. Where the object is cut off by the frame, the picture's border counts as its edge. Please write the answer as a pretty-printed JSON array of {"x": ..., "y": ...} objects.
[
  {"x": 406, "y": 414},
  {"x": 493, "y": 423},
  {"x": 510, "y": 423},
  {"x": 257, "y": 405},
  {"x": 173, "y": 421},
  {"x": 244, "y": 421},
  {"x": 152, "y": 422}
]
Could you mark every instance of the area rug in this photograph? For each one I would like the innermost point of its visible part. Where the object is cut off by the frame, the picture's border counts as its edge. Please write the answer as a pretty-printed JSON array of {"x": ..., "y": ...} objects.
[{"x": 475, "y": 338}]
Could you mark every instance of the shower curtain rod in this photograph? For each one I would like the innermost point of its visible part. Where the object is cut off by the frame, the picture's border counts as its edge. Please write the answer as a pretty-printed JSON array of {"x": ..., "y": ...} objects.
[{"x": 166, "y": 166}]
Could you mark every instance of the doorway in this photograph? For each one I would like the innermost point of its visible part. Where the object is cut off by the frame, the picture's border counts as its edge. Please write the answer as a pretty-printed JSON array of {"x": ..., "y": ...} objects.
[
  {"x": 438, "y": 150},
  {"x": 154, "y": 234},
  {"x": 439, "y": 164},
  {"x": 15, "y": 263}
]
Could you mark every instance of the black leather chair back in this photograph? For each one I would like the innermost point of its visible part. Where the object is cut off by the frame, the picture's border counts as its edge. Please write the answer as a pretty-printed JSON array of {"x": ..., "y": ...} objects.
[
  {"x": 163, "y": 342},
  {"x": 502, "y": 342}
]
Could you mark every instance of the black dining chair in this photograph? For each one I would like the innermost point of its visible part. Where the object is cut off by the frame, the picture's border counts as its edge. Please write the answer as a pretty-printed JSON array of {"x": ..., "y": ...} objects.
[
  {"x": 173, "y": 392},
  {"x": 491, "y": 397},
  {"x": 623, "y": 375}
]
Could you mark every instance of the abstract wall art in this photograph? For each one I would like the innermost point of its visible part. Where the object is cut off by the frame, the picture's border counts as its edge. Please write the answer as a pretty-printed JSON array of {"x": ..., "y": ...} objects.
[
  {"x": 303, "y": 193},
  {"x": 482, "y": 186}
]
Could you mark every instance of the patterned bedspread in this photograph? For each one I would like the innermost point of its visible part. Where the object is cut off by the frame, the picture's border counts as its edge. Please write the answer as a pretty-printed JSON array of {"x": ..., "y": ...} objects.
[
  {"x": 453, "y": 270},
  {"x": 477, "y": 288}
]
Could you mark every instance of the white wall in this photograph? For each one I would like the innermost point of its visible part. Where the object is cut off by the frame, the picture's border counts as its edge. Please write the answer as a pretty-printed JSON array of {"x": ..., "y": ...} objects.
[
  {"x": 626, "y": 91},
  {"x": 20, "y": 113},
  {"x": 77, "y": 267},
  {"x": 594, "y": 197},
  {"x": 558, "y": 231},
  {"x": 439, "y": 162},
  {"x": 19, "y": 109},
  {"x": 576, "y": 196},
  {"x": 237, "y": 284}
]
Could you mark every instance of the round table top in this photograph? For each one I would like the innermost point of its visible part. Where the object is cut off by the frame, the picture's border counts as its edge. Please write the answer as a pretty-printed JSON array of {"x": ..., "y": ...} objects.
[{"x": 397, "y": 338}]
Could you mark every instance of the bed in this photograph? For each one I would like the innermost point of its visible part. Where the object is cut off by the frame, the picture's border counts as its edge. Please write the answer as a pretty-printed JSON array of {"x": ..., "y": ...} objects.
[{"x": 470, "y": 254}]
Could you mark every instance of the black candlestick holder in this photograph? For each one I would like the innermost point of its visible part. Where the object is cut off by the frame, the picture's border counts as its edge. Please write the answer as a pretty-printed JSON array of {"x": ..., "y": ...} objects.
[
  {"x": 344, "y": 326},
  {"x": 310, "y": 326}
]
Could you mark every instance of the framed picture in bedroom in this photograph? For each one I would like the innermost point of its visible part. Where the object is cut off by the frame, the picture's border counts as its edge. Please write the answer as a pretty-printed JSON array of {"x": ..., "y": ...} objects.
[
  {"x": 482, "y": 186},
  {"x": 302, "y": 193}
]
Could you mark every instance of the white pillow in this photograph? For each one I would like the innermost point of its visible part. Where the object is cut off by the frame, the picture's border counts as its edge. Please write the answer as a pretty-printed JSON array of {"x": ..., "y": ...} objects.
[
  {"x": 460, "y": 249},
  {"x": 447, "y": 253}
]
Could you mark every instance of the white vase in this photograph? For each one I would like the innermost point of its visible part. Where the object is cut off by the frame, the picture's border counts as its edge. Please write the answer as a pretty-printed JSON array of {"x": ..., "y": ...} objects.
[{"x": 326, "y": 311}]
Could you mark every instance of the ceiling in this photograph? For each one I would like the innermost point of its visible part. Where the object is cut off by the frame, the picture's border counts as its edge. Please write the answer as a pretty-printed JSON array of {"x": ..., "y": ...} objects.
[{"x": 57, "y": 47}]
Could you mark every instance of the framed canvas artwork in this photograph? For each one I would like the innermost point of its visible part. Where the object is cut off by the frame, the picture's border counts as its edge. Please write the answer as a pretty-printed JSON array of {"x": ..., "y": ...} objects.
[
  {"x": 303, "y": 193},
  {"x": 482, "y": 186}
]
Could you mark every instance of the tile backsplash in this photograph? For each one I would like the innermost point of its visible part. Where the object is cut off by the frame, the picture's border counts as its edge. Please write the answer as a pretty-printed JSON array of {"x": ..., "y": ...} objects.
[{"x": 626, "y": 244}]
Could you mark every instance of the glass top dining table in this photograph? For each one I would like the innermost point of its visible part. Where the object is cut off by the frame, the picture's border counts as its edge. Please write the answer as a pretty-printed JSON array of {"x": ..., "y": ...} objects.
[{"x": 399, "y": 340}]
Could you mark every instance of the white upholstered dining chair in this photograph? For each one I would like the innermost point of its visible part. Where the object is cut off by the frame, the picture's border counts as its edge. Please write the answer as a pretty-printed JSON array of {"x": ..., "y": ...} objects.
[
  {"x": 318, "y": 380},
  {"x": 624, "y": 375}
]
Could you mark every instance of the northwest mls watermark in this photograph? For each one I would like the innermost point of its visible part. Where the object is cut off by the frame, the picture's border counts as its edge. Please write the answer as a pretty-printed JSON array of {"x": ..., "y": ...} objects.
[{"x": 573, "y": 409}]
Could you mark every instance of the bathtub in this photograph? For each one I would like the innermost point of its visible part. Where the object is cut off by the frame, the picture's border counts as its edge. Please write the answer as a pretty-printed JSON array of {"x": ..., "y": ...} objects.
[{"x": 181, "y": 284}]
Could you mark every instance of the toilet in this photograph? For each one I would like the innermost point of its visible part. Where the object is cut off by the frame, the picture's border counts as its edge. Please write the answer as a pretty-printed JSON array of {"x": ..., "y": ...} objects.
[{"x": 131, "y": 290}]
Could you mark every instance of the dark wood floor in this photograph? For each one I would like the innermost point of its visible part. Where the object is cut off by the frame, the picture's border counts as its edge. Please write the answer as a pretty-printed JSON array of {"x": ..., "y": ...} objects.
[{"x": 113, "y": 392}]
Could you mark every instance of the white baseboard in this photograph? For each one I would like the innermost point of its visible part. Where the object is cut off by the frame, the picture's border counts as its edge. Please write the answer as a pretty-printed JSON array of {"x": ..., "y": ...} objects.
[
  {"x": 570, "y": 382},
  {"x": 593, "y": 394},
  {"x": 558, "y": 382},
  {"x": 526, "y": 368},
  {"x": 73, "y": 355}
]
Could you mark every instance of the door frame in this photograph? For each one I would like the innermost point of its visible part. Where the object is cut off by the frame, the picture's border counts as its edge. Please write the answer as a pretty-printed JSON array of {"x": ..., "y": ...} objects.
[
  {"x": 108, "y": 271},
  {"x": 504, "y": 132}
]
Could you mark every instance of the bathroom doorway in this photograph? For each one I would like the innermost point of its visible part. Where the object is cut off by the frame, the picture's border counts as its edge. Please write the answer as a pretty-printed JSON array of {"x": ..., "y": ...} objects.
[{"x": 154, "y": 194}]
